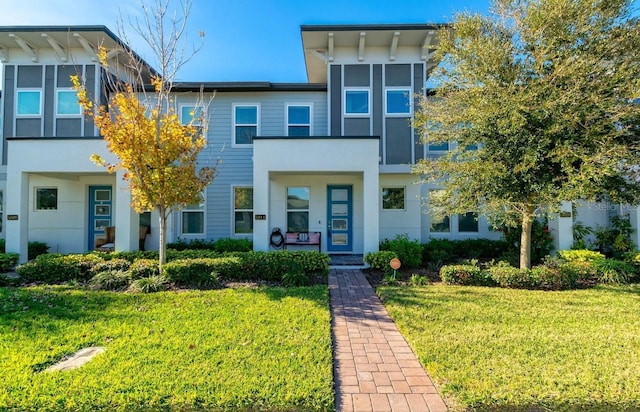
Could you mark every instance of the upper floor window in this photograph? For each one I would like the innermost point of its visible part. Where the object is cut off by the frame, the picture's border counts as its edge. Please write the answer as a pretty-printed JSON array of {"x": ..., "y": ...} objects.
[
  {"x": 193, "y": 219},
  {"x": 245, "y": 124},
  {"x": 398, "y": 102},
  {"x": 67, "y": 103},
  {"x": 298, "y": 120},
  {"x": 356, "y": 102},
  {"x": 439, "y": 147},
  {"x": 29, "y": 103},
  {"x": 191, "y": 115}
]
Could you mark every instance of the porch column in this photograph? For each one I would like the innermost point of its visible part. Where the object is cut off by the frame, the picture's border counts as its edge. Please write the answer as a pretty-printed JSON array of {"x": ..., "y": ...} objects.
[
  {"x": 261, "y": 189},
  {"x": 561, "y": 226},
  {"x": 371, "y": 212},
  {"x": 634, "y": 219},
  {"x": 127, "y": 221},
  {"x": 17, "y": 201}
]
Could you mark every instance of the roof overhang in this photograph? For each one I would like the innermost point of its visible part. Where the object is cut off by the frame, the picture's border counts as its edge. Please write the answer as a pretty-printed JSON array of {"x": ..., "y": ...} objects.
[{"x": 320, "y": 43}]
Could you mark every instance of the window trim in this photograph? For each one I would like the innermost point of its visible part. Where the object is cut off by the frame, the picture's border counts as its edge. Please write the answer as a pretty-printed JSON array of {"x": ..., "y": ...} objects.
[
  {"x": 234, "y": 210},
  {"x": 386, "y": 102},
  {"x": 234, "y": 124},
  {"x": 404, "y": 198},
  {"x": 344, "y": 101},
  {"x": 57, "y": 104},
  {"x": 286, "y": 117},
  {"x": 35, "y": 199},
  {"x": 202, "y": 209},
  {"x": 28, "y": 115}
]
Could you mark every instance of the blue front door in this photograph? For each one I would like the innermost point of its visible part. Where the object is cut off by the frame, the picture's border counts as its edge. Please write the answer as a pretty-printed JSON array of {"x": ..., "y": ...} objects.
[
  {"x": 100, "y": 212},
  {"x": 339, "y": 219}
]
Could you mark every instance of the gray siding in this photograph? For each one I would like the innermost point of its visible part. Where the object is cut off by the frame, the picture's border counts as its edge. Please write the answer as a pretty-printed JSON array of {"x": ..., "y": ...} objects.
[
  {"x": 335, "y": 96},
  {"x": 8, "y": 95},
  {"x": 236, "y": 166},
  {"x": 64, "y": 76},
  {"x": 398, "y": 140},
  {"x": 357, "y": 127},
  {"x": 90, "y": 78},
  {"x": 28, "y": 127},
  {"x": 377, "y": 106},
  {"x": 49, "y": 100},
  {"x": 30, "y": 76},
  {"x": 356, "y": 75},
  {"x": 68, "y": 127},
  {"x": 418, "y": 89},
  {"x": 398, "y": 75}
]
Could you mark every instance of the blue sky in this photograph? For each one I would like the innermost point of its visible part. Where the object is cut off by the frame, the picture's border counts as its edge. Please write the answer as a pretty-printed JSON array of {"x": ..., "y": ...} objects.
[{"x": 245, "y": 40}]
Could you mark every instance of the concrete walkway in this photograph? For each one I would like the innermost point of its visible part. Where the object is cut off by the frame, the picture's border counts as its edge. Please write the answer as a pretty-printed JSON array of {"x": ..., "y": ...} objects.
[{"x": 374, "y": 367}]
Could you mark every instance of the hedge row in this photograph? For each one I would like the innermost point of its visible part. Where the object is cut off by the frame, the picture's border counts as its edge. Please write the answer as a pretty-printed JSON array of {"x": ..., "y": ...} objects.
[{"x": 183, "y": 269}]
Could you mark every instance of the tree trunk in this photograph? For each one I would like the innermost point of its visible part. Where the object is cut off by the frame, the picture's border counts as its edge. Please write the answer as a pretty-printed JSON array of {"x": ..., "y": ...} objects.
[
  {"x": 163, "y": 238},
  {"x": 525, "y": 239}
]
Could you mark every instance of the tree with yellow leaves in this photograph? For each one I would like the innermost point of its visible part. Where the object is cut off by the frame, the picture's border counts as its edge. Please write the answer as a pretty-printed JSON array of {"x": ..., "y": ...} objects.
[{"x": 156, "y": 151}]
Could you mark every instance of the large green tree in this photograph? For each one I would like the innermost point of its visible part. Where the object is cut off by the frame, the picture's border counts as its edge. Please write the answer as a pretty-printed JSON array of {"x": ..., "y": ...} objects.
[{"x": 542, "y": 98}]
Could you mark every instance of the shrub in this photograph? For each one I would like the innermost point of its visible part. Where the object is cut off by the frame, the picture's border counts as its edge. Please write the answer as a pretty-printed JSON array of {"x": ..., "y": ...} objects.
[
  {"x": 221, "y": 245},
  {"x": 418, "y": 280},
  {"x": 204, "y": 272},
  {"x": 114, "y": 265},
  {"x": 36, "y": 249},
  {"x": 110, "y": 280},
  {"x": 144, "y": 268},
  {"x": 7, "y": 281},
  {"x": 553, "y": 275},
  {"x": 616, "y": 240},
  {"x": 614, "y": 272},
  {"x": 479, "y": 248},
  {"x": 438, "y": 251},
  {"x": 380, "y": 260},
  {"x": 57, "y": 268},
  {"x": 508, "y": 276},
  {"x": 408, "y": 251},
  {"x": 148, "y": 284},
  {"x": 464, "y": 275},
  {"x": 580, "y": 255},
  {"x": 8, "y": 261},
  {"x": 586, "y": 272},
  {"x": 541, "y": 240},
  {"x": 294, "y": 275}
]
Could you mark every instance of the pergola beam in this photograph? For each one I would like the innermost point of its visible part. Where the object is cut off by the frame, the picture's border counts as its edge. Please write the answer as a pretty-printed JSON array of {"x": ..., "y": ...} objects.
[
  {"x": 61, "y": 52},
  {"x": 87, "y": 46},
  {"x": 427, "y": 53},
  {"x": 26, "y": 47}
]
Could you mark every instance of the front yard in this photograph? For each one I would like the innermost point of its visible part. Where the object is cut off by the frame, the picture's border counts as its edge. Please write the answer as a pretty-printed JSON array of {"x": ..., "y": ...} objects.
[
  {"x": 508, "y": 350},
  {"x": 264, "y": 348}
]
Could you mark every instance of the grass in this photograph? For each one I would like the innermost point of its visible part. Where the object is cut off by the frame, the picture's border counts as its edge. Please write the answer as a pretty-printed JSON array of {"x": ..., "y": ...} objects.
[
  {"x": 230, "y": 349},
  {"x": 514, "y": 350}
]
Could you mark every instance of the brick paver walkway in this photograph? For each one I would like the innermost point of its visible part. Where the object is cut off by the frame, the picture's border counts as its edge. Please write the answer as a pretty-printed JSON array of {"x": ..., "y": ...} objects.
[{"x": 374, "y": 367}]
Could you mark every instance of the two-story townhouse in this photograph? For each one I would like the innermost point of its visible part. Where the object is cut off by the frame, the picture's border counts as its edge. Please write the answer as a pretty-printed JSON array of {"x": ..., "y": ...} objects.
[{"x": 332, "y": 155}]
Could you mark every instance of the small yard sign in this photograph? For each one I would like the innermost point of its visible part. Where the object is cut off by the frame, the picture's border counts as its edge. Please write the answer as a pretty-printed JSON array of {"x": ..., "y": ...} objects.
[{"x": 395, "y": 265}]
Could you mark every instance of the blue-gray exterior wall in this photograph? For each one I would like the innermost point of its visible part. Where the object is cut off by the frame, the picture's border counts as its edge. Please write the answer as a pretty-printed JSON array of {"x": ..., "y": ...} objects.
[{"x": 235, "y": 164}]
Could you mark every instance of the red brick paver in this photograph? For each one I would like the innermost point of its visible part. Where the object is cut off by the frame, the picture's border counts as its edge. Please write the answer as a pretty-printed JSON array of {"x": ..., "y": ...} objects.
[{"x": 374, "y": 367}]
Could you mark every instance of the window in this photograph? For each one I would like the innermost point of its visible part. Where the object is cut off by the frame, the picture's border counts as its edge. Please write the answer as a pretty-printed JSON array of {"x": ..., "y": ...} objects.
[
  {"x": 442, "y": 147},
  {"x": 245, "y": 121},
  {"x": 67, "y": 103},
  {"x": 193, "y": 219},
  {"x": 398, "y": 102},
  {"x": 356, "y": 102},
  {"x": 191, "y": 115},
  {"x": 298, "y": 120},
  {"x": 243, "y": 210},
  {"x": 468, "y": 222},
  {"x": 46, "y": 198},
  {"x": 439, "y": 221},
  {"x": 29, "y": 103},
  {"x": 297, "y": 209},
  {"x": 393, "y": 198}
]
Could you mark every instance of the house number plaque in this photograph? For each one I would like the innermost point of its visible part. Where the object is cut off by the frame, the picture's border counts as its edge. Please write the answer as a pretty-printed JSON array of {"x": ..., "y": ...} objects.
[{"x": 12, "y": 217}]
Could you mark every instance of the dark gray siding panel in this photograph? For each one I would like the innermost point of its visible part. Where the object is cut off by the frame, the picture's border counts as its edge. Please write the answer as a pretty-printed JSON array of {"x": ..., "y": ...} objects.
[
  {"x": 8, "y": 94},
  {"x": 64, "y": 74},
  {"x": 29, "y": 76},
  {"x": 357, "y": 127},
  {"x": 68, "y": 127},
  {"x": 398, "y": 75},
  {"x": 398, "y": 140},
  {"x": 378, "y": 113},
  {"x": 418, "y": 89},
  {"x": 356, "y": 75},
  {"x": 28, "y": 128},
  {"x": 90, "y": 79},
  {"x": 336, "y": 100},
  {"x": 49, "y": 99}
]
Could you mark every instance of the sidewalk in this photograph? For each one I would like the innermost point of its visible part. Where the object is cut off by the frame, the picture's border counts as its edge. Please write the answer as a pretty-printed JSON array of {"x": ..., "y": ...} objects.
[{"x": 374, "y": 367}]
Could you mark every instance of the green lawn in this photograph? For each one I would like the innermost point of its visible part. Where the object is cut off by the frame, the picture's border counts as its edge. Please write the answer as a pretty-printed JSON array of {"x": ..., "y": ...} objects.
[
  {"x": 231, "y": 349},
  {"x": 508, "y": 350}
]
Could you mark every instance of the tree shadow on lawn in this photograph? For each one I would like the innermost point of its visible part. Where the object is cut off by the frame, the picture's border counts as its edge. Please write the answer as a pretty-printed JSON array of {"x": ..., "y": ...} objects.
[{"x": 586, "y": 405}]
